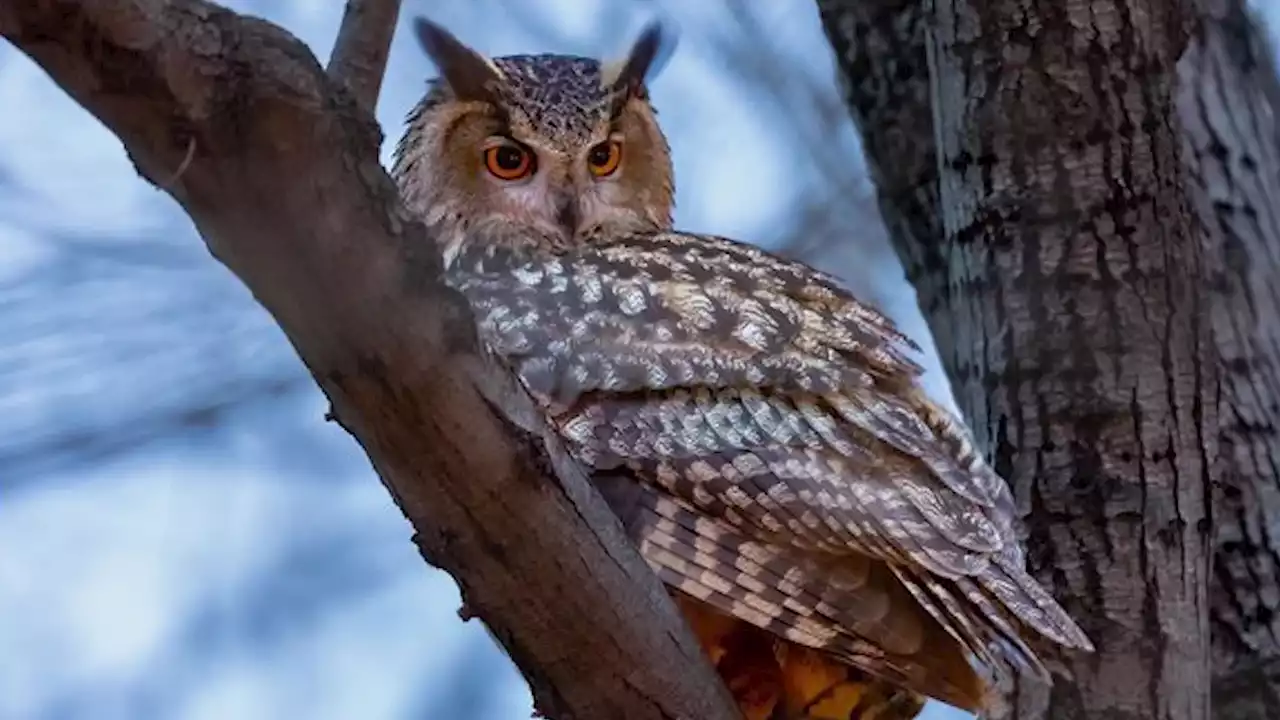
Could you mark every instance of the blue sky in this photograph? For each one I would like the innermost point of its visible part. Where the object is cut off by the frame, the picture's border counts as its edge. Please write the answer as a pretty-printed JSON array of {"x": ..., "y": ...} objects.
[{"x": 183, "y": 536}]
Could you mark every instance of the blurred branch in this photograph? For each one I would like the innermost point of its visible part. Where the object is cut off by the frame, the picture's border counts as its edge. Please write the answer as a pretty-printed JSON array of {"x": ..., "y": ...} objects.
[
  {"x": 355, "y": 285},
  {"x": 1227, "y": 104},
  {"x": 103, "y": 353},
  {"x": 754, "y": 52},
  {"x": 33, "y": 459},
  {"x": 359, "y": 57},
  {"x": 809, "y": 117}
]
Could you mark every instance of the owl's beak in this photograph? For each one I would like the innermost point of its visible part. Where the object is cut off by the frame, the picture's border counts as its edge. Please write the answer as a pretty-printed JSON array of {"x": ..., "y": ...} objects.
[{"x": 567, "y": 213}]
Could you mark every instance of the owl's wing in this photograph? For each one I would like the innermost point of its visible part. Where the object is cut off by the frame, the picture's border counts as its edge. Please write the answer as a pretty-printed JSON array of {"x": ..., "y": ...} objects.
[
  {"x": 668, "y": 310},
  {"x": 758, "y": 391}
]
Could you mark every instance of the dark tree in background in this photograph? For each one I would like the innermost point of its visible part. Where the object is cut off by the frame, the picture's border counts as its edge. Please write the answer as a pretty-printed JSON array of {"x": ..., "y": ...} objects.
[{"x": 1093, "y": 237}]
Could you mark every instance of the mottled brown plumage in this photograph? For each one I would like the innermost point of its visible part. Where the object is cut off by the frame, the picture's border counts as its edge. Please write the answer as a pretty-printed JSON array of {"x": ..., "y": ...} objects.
[{"x": 761, "y": 433}]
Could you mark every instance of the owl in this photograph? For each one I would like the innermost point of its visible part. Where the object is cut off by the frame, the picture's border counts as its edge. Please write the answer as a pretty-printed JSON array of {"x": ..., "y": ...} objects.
[{"x": 832, "y": 536}]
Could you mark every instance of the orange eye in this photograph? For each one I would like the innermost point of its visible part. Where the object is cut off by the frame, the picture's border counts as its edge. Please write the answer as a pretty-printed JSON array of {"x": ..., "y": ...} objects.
[
  {"x": 603, "y": 159},
  {"x": 508, "y": 162}
]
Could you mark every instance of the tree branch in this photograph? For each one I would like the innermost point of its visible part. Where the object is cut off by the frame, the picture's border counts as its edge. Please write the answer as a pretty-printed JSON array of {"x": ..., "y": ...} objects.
[
  {"x": 359, "y": 57},
  {"x": 285, "y": 187}
]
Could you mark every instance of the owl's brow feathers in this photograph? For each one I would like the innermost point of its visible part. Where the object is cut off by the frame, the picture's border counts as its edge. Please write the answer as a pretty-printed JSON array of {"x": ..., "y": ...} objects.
[{"x": 563, "y": 98}]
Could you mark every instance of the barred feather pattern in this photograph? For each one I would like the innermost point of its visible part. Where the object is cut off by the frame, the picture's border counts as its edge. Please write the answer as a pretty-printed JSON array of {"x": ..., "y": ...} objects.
[{"x": 765, "y": 439}]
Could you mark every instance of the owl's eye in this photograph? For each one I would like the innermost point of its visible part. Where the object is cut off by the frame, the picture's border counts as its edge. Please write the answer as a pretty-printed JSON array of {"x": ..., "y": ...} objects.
[
  {"x": 603, "y": 159},
  {"x": 508, "y": 162}
]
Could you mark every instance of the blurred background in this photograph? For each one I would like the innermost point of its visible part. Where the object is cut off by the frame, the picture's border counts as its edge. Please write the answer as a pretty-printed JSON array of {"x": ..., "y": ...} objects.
[{"x": 182, "y": 536}]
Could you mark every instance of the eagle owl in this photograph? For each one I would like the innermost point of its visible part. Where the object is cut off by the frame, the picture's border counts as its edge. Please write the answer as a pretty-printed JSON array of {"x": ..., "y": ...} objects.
[{"x": 835, "y": 541}]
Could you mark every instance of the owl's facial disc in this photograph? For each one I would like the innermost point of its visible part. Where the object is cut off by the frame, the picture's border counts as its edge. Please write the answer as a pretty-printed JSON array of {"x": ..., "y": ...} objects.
[
  {"x": 545, "y": 147},
  {"x": 564, "y": 188}
]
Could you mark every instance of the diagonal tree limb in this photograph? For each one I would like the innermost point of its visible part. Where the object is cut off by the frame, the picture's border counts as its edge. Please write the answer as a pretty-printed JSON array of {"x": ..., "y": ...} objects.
[
  {"x": 359, "y": 57},
  {"x": 285, "y": 187}
]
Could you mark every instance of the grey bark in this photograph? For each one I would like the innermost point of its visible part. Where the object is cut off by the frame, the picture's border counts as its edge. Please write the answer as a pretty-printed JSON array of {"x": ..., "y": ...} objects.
[
  {"x": 1227, "y": 101},
  {"x": 359, "y": 58},
  {"x": 1057, "y": 293},
  {"x": 1082, "y": 341},
  {"x": 227, "y": 113}
]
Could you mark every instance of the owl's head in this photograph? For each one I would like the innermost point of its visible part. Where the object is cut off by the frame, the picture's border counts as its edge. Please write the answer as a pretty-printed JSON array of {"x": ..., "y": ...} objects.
[{"x": 545, "y": 146}]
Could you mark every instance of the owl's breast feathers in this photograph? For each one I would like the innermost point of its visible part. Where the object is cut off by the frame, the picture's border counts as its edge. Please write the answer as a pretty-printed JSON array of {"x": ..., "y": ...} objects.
[{"x": 764, "y": 438}]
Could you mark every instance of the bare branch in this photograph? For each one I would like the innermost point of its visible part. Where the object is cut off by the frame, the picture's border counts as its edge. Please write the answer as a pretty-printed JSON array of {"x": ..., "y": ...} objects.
[
  {"x": 286, "y": 189},
  {"x": 359, "y": 58}
]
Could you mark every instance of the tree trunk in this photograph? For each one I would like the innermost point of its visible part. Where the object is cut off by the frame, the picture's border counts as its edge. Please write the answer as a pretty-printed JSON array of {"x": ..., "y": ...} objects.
[
  {"x": 1226, "y": 99},
  {"x": 1083, "y": 344},
  {"x": 1061, "y": 280}
]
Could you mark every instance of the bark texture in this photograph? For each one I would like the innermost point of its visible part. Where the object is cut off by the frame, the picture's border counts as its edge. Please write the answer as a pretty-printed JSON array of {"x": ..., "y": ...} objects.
[
  {"x": 1226, "y": 99},
  {"x": 277, "y": 165},
  {"x": 1059, "y": 273},
  {"x": 359, "y": 58},
  {"x": 884, "y": 72},
  {"x": 1082, "y": 342}
]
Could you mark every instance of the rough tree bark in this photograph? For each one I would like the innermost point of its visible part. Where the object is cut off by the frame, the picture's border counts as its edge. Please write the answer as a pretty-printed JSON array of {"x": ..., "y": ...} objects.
[
  {"x": 277, "y": 165},
  {"x": 359, "y": 57},
  {"x": 1226, "y": 100},
  {"x": 1082, "y": 342}
]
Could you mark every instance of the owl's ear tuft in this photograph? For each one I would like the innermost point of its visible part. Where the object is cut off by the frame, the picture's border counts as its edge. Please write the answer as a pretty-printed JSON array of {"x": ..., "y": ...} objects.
[
  {"x": 648, "y": 55},
  {"x": 469, "y": 74}
]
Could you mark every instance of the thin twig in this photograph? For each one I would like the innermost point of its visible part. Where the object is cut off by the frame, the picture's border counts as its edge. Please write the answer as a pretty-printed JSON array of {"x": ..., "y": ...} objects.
[
  {"x": 172, "y": 180},
  {"x": 359, "y": 58}
]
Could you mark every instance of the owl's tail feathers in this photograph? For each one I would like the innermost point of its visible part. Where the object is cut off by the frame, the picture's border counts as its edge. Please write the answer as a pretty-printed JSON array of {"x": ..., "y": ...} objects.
[
  {"x": 939, "y": 668},
  {"x": 936, "y": 666},
  {"x": 856, "y": 611},
  {"x": 1008, "y": 583},
  {"x": 1003, "y": 618},
  {"x": 1018, "y": 608},
  {"x": 870, "y": 623}
]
